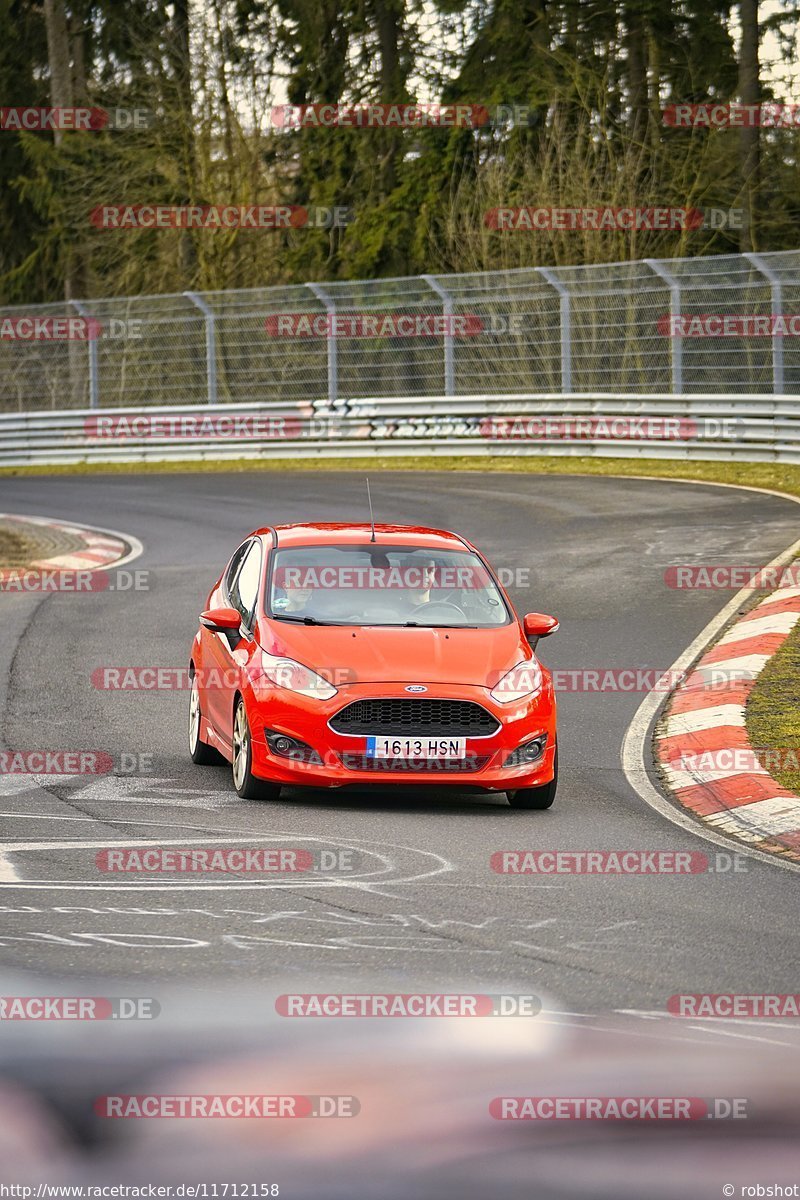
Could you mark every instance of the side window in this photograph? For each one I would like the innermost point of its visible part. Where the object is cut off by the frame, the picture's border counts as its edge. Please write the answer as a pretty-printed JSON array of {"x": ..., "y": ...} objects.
[
  {"x": 244, "y": 592},
  {"x": 233, "y": 566}
]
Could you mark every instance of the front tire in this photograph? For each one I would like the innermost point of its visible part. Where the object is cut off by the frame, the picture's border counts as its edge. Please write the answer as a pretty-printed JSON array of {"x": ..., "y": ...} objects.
[
  {"x": 538, "y": 797},
  {"x": 246, "y": 784},
  {"x": 199, "y": 751}
]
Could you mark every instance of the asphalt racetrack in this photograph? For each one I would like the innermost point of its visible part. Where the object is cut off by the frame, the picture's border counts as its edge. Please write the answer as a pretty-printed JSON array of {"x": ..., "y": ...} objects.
[
  {"x": 424, "y": 905},
  {"x": 410, "y": 904}
]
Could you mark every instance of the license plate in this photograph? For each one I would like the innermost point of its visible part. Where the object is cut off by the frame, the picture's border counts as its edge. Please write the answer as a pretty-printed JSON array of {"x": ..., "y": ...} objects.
[{"x": 405, "y": 747}]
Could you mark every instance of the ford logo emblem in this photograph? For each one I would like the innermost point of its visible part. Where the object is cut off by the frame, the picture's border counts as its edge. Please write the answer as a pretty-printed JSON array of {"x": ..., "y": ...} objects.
[{"x": 416, "y": 687}]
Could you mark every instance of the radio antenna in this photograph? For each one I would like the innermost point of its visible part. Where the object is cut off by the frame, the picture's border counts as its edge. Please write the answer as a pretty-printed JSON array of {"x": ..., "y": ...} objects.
[{"x": 371, "y": 517}]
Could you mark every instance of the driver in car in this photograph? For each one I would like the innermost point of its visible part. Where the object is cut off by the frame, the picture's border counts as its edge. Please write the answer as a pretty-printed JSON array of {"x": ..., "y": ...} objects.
[
  {"x": 417, "y": 596},
  {"x": 294, "y": 599}
]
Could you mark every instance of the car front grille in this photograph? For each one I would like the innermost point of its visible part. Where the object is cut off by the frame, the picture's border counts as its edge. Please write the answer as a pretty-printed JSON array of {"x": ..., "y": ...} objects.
[
  {"x": 428, "y": 766},
  {"x": 417, "y": 717}
]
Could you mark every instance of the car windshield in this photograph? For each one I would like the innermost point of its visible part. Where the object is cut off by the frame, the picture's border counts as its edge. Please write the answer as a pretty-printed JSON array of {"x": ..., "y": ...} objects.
[{"x": 383, "y": 585}]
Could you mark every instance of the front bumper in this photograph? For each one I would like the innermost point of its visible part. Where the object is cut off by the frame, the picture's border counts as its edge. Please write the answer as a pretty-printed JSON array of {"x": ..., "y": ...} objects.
[{"x": 343, "y": 756}]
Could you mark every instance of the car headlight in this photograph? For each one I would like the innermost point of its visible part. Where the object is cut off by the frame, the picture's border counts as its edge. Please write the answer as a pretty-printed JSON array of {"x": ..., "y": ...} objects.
[
  {"x": 525, "y": 679},
  {"x": 286, "y": 673}
]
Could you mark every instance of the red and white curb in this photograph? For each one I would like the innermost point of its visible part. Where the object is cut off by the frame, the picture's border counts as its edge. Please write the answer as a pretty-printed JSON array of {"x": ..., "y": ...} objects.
[
  {"x": 636, "y": 755},
  {"x": 101, "y": 547},
  {"x": 702, "y": 744}
]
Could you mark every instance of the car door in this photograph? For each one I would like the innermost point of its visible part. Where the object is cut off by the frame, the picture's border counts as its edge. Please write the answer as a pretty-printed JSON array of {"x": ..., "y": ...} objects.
[
  {"x": 221, "y": 654},
  {"x": 236, "y": 651}
]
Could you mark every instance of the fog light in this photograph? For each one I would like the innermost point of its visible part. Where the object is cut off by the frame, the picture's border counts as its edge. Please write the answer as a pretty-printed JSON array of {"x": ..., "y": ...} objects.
[
  {"x": 289, "y": 747},
  {"x": 528, "y": 752}
]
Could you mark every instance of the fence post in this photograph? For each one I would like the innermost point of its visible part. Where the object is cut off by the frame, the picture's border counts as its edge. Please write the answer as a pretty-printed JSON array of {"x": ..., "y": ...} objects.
[
  {"x": 565, "y": 309},
  {"x": 776, "y": 296},
  {"x": 211, "y": 344},
  {"x": 675, "y": 308},
  {"x": 449, "y": 345},
  {"x": 333, "y": 347},
  {"x": 94, "y": 382}
]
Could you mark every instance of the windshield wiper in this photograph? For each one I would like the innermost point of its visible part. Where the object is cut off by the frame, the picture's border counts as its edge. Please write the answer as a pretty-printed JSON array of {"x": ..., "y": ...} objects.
[
  {"x": 425, "y": 625},
  {"x": 308, "y": 621}
]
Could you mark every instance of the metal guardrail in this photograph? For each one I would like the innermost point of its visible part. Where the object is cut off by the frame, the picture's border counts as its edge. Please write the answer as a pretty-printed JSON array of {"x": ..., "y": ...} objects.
[
  {"x": 565, "y": 330},
  {"x": 710, "y": 426}
]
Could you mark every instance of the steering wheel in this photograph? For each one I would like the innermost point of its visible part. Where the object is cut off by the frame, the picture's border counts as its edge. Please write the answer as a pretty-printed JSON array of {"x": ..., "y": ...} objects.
[
  {"x": 361, "y": 616},
  {"x": 439, "y": 604},
  {"x": 444, "y": 597}
]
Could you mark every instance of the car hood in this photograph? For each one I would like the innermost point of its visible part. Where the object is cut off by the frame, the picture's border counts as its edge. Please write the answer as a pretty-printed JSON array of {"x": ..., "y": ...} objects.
[{"x": 382, "y": 655}]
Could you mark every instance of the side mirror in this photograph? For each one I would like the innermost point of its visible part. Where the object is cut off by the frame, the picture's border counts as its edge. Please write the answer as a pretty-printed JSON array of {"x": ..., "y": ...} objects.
[
  {"x": 221, "y": 620},
  {"x": 538, "y": 625}
]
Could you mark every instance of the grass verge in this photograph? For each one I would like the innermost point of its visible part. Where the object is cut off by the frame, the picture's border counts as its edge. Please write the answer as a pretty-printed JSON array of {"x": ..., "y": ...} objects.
[
  {"x": 781, "y": 477},
  {"x": 773, "y": 712},
  {"x": 15, "y": 550}
]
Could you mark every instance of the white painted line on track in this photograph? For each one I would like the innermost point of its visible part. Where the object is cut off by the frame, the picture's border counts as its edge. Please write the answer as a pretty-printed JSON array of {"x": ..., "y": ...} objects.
[
  {"x": 440, "y": 865},
  {"x": 144, "y": 843},
  {"x": 748, "y": 1037}
]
